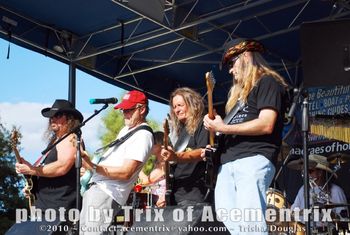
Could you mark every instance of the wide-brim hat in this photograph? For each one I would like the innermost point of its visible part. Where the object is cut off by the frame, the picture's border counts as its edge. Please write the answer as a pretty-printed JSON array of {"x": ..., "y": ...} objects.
[
  {"x": 131, "y": 99},
  {"x": 62, "y": 106},
  {"x": 321, "y": 162},
  {"x": 237, "y": 46}
]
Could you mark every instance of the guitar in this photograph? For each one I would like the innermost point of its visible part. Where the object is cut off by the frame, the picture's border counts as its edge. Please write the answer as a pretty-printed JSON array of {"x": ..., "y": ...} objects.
[
  {"x": 210, "y": 82},
  {"x": 210, "y": 168},
  {"x": 168, "y": 176},
  {"x": 29, "y": 183},
  {"x": 84, "y": 180}
]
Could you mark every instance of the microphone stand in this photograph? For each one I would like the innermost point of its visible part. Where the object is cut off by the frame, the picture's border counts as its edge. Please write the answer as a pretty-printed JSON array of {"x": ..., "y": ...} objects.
[
  {"x": 280, "y": 171},
  {"x": 278, "y": 174},
  {"x": 77, "y": 131},
  {"x": 305, "y": 131}
]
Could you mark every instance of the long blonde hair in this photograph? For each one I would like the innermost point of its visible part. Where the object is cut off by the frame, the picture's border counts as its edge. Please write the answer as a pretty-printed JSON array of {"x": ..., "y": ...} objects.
[
  {"x": 252, "y": 71},
  {"x": 195, "y": 109}
]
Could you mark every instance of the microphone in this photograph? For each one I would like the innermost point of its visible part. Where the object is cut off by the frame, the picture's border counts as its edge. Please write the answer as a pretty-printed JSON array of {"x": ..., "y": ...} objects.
[
  {"x": 112, "y": 100},
  {"x": 297, "y": 92}
]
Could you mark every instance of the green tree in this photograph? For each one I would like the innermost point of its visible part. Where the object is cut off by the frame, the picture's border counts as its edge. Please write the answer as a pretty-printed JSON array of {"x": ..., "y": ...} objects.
[{"x": 10, "y": 183}]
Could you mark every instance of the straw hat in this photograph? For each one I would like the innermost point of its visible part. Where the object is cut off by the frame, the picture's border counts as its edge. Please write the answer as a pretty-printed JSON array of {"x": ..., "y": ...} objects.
[{"x": 321, "y": 162}]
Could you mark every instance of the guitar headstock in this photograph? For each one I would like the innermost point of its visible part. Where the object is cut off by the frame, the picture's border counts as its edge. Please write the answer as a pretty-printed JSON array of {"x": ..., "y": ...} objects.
[
  {"x": 210, "y": 81},
  {"x": 166, "y": 133},
  {"x": 15, "y": 135}
]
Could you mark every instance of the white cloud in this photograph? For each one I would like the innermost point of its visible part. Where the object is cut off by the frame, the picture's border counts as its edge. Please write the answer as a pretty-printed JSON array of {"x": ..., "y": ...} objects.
[{"x": 32, "y": 125}]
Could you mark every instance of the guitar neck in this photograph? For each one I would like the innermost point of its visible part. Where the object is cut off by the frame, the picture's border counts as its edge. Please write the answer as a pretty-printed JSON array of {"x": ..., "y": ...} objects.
[
  {"x": 211, "y": 116},
  {"x": 17, "y": 155},
  {"x": 167, "y": 169},
  {"x": 210, "y": 106},
  {"x": 168, "y": 175}
]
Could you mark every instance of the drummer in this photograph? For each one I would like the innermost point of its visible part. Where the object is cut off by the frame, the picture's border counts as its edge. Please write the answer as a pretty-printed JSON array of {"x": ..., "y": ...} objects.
[{"x": 321, "y": 194}]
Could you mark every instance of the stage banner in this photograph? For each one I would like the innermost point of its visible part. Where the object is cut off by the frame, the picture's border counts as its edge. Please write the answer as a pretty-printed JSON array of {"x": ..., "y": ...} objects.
[{"x": 329, "y": 135}]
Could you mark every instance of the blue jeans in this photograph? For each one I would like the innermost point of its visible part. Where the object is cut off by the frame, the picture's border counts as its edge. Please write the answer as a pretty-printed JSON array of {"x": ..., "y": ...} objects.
[{"x": 241, "y": 189}]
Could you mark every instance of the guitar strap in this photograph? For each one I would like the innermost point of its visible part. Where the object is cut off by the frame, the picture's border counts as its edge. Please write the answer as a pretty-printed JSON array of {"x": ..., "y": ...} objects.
[
  {"x": 182, "y": 141},
  {"x": 238, "y": 106},
  {"x": 229, "y": 117},
  {"x": 116, "y": 142},
  {"x": 121, "y": 140}
]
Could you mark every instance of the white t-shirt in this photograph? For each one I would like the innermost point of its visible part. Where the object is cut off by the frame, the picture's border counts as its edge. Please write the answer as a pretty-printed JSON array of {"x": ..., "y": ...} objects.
[{"x": 137, "y": 147}]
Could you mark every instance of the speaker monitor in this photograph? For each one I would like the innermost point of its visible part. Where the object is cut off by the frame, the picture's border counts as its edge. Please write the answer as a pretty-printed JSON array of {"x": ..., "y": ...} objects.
[{"x": 325, "y": 49}]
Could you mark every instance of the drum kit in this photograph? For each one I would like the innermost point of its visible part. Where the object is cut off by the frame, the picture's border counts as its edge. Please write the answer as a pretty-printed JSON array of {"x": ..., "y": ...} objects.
[
  {"x": 141, "y": 198},
  {"x": 320, "y": 199}
]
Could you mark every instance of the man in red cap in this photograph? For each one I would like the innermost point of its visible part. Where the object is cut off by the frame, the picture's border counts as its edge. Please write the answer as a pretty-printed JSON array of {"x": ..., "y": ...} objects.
[
  {"x": 114, "y": 176},
  {"x": 251, "y": 138}
]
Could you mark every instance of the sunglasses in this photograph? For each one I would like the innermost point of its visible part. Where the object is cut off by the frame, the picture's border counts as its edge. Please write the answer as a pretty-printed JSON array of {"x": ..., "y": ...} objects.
[
  {"x": 312, "y": 170},
  {"x": 58, "y": 115},
  {"x": 232, "y": 62},
  {"x": 130, "y": 110}
]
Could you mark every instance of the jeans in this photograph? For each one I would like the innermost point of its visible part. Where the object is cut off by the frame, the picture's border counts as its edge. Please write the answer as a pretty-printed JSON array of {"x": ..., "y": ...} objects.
[
  {"x": 98, "y": 212},
  {"x": 241, "y": 189}
]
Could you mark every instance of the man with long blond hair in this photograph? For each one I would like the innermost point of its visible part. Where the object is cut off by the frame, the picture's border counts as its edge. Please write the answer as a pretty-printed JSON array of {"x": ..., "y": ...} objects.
[
  {"x": 186, "y": 114},
  {"x": 251, "y": 139}
]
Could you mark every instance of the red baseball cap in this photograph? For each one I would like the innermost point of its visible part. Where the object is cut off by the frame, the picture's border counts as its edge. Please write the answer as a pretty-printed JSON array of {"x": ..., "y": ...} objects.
[{"x": 131, "y": 99}]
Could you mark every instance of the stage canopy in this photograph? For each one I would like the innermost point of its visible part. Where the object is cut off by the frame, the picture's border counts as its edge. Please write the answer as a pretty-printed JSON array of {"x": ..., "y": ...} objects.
[{"x": 159, "y": 45}]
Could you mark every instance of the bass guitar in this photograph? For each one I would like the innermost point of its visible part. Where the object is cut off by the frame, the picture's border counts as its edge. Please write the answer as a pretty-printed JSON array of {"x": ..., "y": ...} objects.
[
  {"x": 210, "y": 83},
  {"x": 84, "y": 180},
  {"x": 211, "y": 159},
  {"x": 29, "y": 180},
  {"x": 168, "y": 176}
]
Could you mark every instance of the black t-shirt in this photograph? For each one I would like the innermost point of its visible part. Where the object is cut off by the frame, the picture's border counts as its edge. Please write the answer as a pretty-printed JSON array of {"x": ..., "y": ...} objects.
[
  {"x": 189, "y": 177},
  {"x": 268, "y": 93}
]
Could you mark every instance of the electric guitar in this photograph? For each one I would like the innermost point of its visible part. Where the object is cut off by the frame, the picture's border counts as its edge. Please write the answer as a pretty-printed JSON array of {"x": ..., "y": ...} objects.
[
  {"x": 84, "y": 180},
  {"x": 211, "y": 161},
  {"x": 168, "y": 176},
  {"x": 29, "y": 180},
  {"x": 210, "y": 82}
]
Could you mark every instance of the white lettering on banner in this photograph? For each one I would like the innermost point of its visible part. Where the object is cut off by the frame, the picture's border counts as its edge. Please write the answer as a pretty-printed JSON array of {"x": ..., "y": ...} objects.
[
  {"x": 329, "y": 147},
  {"x": 178, "y": 214}
]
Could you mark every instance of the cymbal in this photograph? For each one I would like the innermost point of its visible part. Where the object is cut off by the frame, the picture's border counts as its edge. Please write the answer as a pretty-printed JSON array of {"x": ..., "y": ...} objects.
[
  {"x": 338, "y": 157},
  {"x": 299, "y": 164}
]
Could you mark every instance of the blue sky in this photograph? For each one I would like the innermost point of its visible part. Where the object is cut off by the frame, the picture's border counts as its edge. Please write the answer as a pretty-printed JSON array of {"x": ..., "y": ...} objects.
[{"x": 30, "y": 81}]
